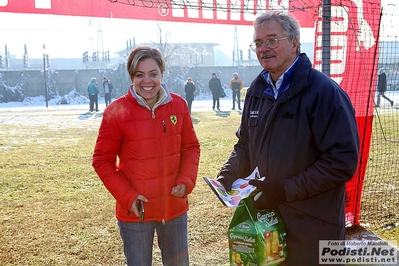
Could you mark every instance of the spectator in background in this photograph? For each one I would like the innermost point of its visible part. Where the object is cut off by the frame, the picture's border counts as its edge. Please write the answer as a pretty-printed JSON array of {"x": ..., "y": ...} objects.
[
  {"x": 236, "y": 85},
  {"x": 216, "y": 88},
  {"x": 147, "y": 151},
  {"x": 382, "y": 87},
  {"x": 299, "y": 128},
  {"x": 189, "y": 89},
  {"x": 93, "y": 90},
  {"x": 107, "y": 87}
]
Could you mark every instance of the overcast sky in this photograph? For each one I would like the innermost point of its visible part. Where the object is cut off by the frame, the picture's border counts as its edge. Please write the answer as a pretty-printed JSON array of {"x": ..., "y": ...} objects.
[{"x": 71, "y": 36}]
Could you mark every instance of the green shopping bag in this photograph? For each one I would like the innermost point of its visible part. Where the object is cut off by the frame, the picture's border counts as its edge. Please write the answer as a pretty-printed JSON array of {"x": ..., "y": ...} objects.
[
  {"x": 222, "y": 93},
  {"x": 256, "y": 237}
]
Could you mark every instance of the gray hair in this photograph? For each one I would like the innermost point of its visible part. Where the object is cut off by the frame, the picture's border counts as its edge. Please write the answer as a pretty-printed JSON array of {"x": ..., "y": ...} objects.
[{"x": 289, "y": 24}]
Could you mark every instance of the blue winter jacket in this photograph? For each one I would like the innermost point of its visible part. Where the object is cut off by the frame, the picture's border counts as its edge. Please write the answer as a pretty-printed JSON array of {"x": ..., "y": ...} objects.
[{"x": 307, "y": 139}]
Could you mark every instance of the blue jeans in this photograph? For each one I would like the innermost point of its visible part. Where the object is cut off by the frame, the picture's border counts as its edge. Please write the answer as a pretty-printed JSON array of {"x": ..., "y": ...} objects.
[
  {"x": 107, "y": 98},
  {"x": 237, "y": 97},
  {"x": 138, "y": 239}
]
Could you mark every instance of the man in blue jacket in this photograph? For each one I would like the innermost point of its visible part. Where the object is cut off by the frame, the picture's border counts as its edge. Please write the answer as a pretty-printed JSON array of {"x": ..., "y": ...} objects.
[{"x": 298, "y": 126}]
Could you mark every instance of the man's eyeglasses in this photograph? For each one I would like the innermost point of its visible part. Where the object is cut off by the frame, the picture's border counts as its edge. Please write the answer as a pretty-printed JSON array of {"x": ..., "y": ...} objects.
[{"x": 272, "y": 43}]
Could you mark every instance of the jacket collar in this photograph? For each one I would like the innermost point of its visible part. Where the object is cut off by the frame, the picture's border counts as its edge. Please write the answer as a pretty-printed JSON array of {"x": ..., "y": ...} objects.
[
  {"x": 164, "y": 97},
  {"x": 283, "y": 83},
  {"x": 298, "y": 80}
]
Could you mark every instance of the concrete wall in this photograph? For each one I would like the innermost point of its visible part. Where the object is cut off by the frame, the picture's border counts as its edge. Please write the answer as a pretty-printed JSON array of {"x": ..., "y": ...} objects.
[{"x": 66, "y": 80}]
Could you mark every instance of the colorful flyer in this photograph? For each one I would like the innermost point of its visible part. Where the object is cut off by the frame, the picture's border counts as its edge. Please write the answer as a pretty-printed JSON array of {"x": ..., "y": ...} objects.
[{"x": 240, "y": 189}]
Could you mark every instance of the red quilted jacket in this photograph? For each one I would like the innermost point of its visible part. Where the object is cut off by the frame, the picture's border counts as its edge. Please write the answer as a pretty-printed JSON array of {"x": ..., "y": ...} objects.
[{"x": 147, "y": 152}]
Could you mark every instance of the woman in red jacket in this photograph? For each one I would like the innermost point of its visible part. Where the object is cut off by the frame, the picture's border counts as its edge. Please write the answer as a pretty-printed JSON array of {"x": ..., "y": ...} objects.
[{"x": 147, "y": 152}]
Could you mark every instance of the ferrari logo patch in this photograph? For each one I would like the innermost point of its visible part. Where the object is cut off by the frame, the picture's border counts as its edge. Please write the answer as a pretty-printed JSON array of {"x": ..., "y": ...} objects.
[{"x": 173, "y": 119}]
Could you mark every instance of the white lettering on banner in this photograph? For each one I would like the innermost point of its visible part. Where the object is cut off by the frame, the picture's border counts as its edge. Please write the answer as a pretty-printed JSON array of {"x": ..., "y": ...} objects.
[
  {"x": 43, "y": 4},
  {"x": 193, "y": 12},
  {"x": 235, "y": 12},
  {"x": 339, "y": 42},
  {"x": 279, "y": 4},
  {"x": 261, "y": 6},
  {"x": 365, "y": 34},
  {"x": 40, "y": 4},
  {"x": 339, "y": 39},
  {"x": 208, "y": 13},
  {"x": 208, "y": 10}
]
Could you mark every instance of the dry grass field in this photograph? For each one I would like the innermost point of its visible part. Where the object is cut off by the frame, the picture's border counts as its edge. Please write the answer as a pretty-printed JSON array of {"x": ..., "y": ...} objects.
[{"x": 54, "y": 209}]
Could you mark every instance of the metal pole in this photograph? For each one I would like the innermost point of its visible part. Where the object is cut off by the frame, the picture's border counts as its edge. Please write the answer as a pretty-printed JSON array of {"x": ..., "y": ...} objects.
[
  {"x": 6, "y": 57},
  {"x": 45, "y": 74},
  {"x": 326, "y": 37}
]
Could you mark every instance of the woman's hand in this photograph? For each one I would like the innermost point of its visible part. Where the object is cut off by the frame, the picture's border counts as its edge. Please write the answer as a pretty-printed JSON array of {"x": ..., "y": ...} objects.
[
  {"x": 179, "y": 191},
  {"x": 133, "y": 208}
]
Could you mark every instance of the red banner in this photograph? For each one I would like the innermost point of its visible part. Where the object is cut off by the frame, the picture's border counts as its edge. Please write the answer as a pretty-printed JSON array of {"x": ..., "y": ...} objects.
[
  {"x": 353, "y": 64},
  {"x": 241, "y": 12}
]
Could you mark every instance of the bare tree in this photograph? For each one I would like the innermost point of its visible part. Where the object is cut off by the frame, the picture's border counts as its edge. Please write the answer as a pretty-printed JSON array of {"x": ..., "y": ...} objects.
[
  {"x": 179, "y": 58},
  {"x": 166, "y": 48}
]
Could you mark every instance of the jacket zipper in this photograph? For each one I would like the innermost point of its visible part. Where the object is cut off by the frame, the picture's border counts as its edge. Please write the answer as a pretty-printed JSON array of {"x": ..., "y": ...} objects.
[{"x": 163, "y": 211}]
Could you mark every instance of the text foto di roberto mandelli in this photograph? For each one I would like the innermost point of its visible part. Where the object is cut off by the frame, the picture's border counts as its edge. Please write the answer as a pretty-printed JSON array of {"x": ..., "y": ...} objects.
[{"x": 353, "y": 250}]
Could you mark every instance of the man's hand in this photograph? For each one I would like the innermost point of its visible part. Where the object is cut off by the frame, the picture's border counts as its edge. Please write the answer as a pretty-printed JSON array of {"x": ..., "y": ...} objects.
[
  {"x": 271, "y": 194},
  {"x": 226, "y": 182},
  {"x": 179, "y": 191}
]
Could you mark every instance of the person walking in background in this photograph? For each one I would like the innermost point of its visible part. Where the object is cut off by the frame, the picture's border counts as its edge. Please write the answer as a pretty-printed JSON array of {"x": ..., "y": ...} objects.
[
  {"x": 236, "y": 85},
  {"x": 382, "y": 87},
  {"x": 93, "y": 90},
  {"x": 147, "y": 154},
  {"x": 189, "y": 89},
  {"x": 107, "y": 87},
  {"x": 216, "y": 88},
  {"x": 299, "y": 128}
]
